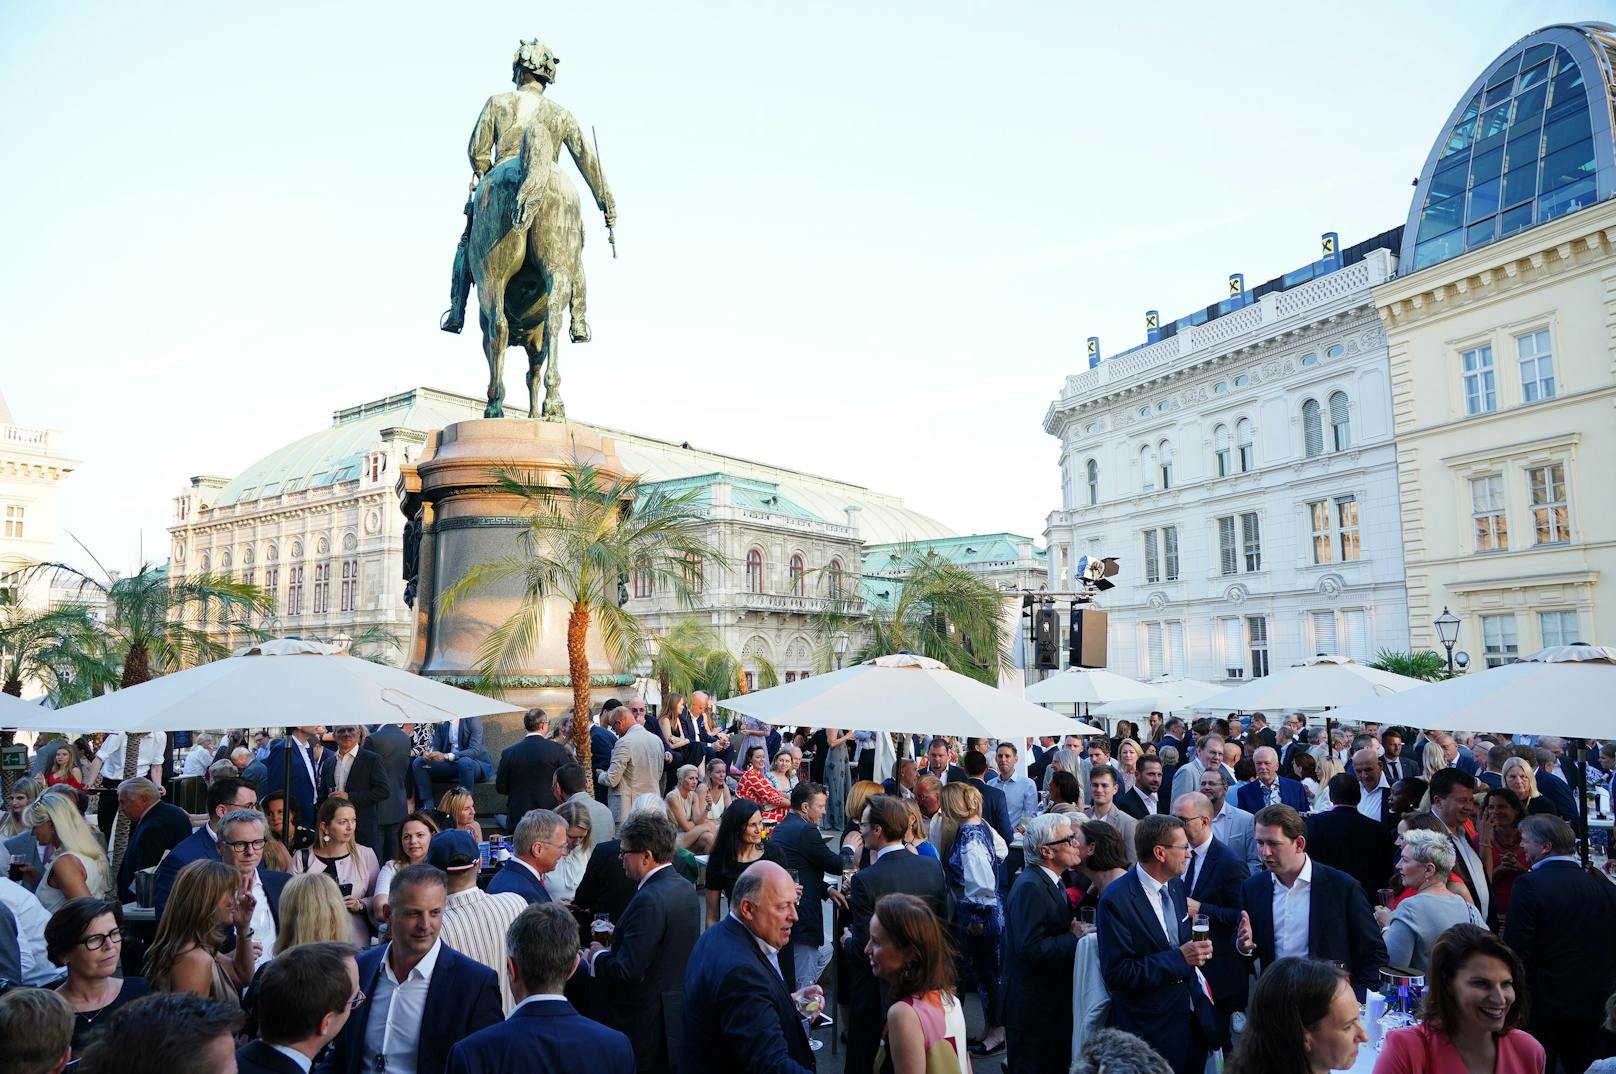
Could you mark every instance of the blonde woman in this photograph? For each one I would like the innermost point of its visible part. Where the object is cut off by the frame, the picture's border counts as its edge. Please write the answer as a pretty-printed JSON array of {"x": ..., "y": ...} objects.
[
  {"x": 563, "y": 880},
  {"x": 65, "y": 769},
  {"x": 971, "y": 859},
  {"x": 689, "y": 810},
  {"x": 312, "y": 911},
  {"x": 1128, "y": 753},
  {"x": 352, "y": 865},
  {"x": 184, "y": 955},
  {"x": 23, "y": 793},
  {"x": 857, "y": 798},
  {"x": 715, "y": 791},
  {"x": 461, "y": 809},
  {"x": 78, "y": 865},
  {"x": 414, "y": 836},
  {"x": 1520, "y": 777}
]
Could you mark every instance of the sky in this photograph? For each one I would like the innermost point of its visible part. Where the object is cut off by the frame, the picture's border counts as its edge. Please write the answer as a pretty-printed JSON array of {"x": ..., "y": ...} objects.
[{"x": 866, "y": 241}]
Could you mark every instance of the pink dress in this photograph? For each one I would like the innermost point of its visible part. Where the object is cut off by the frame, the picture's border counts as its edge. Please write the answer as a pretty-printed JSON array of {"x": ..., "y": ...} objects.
[
  {"x": 942, "y": 1025},
  {"x": 1423, "y": 1050}
]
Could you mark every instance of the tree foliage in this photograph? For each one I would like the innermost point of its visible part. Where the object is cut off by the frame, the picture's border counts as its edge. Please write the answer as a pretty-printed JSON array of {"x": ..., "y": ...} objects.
[{"x": 1421, "y": 664}]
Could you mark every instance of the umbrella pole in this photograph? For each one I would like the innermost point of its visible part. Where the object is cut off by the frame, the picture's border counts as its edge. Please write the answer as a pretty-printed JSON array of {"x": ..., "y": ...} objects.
[
  {"x": 286, "y": 789},
  {"x": 1580, "y": 748}
]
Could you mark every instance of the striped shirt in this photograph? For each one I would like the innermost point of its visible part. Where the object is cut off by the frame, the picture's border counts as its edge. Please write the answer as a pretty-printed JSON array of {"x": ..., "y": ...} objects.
[{"x": 474, "y": 923}]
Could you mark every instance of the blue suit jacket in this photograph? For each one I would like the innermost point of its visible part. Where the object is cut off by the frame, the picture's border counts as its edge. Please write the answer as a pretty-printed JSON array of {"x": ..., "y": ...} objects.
[
  {"x": 469, "y": 741},
  {"x": 1340, "y": 926},
  {"x": 198, "y": 846},
  {"x": 164, "y": 827},
  {"x": 1217, "y": 880},
  {"x": 1152, "y": 987},
  {"x": 302, "y": 790},
  {"x": 1554, "y": 787},
  {"x": 462, "y": 999},
  {"x": 739, "y": 1015},
  {"x": 1250, "y": 797},
  {"x": 514, "y": 876},
  {"x": 543, "y": 1037}
]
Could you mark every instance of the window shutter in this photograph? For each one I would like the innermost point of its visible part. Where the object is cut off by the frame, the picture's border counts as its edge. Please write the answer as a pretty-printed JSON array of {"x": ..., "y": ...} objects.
[
  {"x": 1230, "y": 562},
  {"x": 1324, "y": 641},
  {"x": 1356, "y": 623},
  {"x": 1312, "y": 429}
]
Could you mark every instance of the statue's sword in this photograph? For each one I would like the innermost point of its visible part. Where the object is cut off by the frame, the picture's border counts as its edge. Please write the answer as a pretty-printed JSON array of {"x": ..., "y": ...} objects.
[{"x": 611, "y": 236}]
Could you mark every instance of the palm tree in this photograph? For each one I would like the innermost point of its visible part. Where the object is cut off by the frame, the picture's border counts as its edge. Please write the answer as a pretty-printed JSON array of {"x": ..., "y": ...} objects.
[
  {"x": 941, "y": 610},
  {"x": 157, "y": 623},
  {"x": 582, "y": 539},
  {"x": 1423, "y": 664},
  {"x": 60, "y": 649},
  {"x": 689, "y": 656}
]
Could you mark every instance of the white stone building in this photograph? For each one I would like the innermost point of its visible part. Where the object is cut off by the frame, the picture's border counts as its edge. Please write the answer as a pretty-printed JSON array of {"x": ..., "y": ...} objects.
[
  {"x": 1241, "y": 467},
  {"x": 32, "y": 465}
]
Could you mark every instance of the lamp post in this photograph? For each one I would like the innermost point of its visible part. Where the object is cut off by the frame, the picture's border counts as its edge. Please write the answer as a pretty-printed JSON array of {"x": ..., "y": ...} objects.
[
  {"x": 1447, "y": 628},
  {"x": 841, "y": 642}
]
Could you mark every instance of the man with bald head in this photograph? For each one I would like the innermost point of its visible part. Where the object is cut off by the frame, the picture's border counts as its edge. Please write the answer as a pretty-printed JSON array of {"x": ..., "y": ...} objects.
[
  {"x": 1271, "y": 788},
  {"x": 740, "y": 994},
  {"x": 1212, "y": 881},
  {"x": 1373, "y": 786}
]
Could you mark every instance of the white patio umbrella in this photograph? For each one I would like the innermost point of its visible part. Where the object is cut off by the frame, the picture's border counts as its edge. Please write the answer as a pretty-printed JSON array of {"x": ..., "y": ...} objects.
[
  {"x": 1087, "y": 686},
  {"x": 907, "y": 694},
  {"x": 1565, "y": 691},
  {"x": 1172, "y": 695},
  {"x": 265, "y": 685},
  {"x": 1320, "y": 683}
]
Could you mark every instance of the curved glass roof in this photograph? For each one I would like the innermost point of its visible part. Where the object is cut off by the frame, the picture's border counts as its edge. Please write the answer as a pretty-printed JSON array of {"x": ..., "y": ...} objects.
[{"x": 1528, "y": 142}]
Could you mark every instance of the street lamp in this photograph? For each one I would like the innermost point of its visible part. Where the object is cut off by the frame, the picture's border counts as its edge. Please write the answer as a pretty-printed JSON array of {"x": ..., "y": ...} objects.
[
  {"x": 1447, "y": 628},
  {"x": 841, "y": 643}
]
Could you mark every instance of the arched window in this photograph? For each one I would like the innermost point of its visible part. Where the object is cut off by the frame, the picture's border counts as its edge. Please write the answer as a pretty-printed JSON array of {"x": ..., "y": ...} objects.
[
  {"x": 1165, "y": 458},
  {"x": 1094, "y": 482},
  {"x": 1220, "y": 448},
  {"x": 834, "y": 579},
  {"x": 1245, "y": 444},
  {"x": 1147, "y": 469},
  {"x": 1312, "y": 429},
  {"x": 754, "y": 571},
  {"x": 1340, "y": 424},
  {"x": 798, "y": 569}
]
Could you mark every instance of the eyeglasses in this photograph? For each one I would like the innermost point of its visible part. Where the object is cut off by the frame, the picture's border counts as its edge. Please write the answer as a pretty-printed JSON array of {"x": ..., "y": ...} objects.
[
  {"x": 1070, "y": 840},
  {"x": 97, "y": 940},
  {"x": 241, "y": 846},
  {"x": 356, "y": 1000},
  {"x": 1174, "y": 846},
  {"x": 623, "y": 852}
]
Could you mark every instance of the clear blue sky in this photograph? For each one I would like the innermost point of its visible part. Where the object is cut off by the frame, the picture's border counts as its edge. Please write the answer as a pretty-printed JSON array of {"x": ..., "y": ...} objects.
[{"x": 865, "y": 243}]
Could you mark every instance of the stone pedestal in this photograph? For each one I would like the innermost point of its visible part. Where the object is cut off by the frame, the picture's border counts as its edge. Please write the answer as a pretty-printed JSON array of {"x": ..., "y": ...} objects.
[{"x": 449, "y": 496}]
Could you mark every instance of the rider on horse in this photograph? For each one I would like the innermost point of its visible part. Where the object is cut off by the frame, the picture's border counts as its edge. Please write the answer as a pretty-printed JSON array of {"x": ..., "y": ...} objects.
[{"x": 498, "y": 136}]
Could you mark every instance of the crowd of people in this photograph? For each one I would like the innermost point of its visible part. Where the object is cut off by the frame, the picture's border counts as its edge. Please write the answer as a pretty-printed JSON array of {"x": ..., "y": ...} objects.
[{"x": 718, "y": 898}]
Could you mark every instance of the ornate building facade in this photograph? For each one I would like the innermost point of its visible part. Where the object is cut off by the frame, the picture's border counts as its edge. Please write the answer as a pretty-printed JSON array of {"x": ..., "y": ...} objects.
[
  {"x": 32, "y": 466},
  {"x": 1240, "y": 464}
]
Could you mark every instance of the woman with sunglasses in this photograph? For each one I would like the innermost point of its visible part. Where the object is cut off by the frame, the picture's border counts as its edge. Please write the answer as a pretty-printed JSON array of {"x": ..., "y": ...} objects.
[{"x": 85, "y": 937}]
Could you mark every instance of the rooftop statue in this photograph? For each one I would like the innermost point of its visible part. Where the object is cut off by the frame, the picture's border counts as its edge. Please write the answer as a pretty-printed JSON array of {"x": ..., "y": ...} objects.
[{"x": 524, "y": 238}]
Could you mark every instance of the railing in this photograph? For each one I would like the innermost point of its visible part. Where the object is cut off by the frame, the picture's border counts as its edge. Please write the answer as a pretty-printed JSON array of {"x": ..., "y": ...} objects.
[{"x": 30, "y": 438}]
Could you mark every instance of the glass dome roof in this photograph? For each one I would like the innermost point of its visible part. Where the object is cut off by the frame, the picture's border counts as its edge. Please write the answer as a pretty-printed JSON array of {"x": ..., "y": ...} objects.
[{"x": 1528, "y": 142}]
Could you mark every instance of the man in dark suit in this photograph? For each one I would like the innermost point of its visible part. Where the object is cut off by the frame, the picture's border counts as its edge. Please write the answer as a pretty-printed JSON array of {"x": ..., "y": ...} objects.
[
  {"x": 357, "y": 776},
  {"x": 392, "y": 744},
  {"x": 1343, "y": 838},
  {"x": 242, "y": 835},
  {"x": 892, "y": 869},
  {"x": 1040, "y": 943},
  {"x": 1324, "y": 912},
  {"x": 1147, "y": 795},
  {"x": 442, "y": 995},
  {"x": 527, "y": 769},
  {"x": 1260, "y": 734},
  {"x": 539, "y": 842},
  {"x": 1553, "y": 786},
  {"x": 1399, "y": 762},
  {"x": 640, "y": 977},
  {"x": 994, "y": 809},
  {"x": 803, "y": 851},
  {"x": 1177, "y": 736},
  {"x": 740, "y": 992},
  {"x": 1042, "y": 752},
  {"x": 1148, "y": 953},
  {"x": 457, "y": 753},
  {"x": 305, "y": 780},
  {"x": 1562, "y": 922},
  {"x": 601, "y": 741},
  {"x": 158, "y": 827},
  {"x": 224, "y": 796},
  {"x": 1453, "y": 802},
  {"x": 304, "y": 998},
  {"x": 1270, "y": 788},
  {"x": 901, "y": 784},
  {"x": 938, "y": 764},
  {"x": 605, "y": 888},
  {"x": 543, "y": 1034},
  {"x": 1212, "y": 882}
]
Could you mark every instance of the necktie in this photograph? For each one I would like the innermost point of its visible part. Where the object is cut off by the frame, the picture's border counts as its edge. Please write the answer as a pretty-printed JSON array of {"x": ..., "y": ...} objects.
[
  {"x": 1189, "y": 874},
  {"x": 1167, "y": 917},
  {"x": 1273, "y": 793}
]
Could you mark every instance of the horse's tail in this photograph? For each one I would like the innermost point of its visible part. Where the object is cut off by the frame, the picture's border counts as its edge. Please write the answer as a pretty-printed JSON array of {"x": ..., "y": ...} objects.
[{"x": 532, "y": 173}]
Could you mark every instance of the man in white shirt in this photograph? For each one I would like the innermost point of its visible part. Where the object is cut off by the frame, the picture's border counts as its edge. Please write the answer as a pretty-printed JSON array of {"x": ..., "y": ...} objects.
[
  {"x": 34, "y": 967},
  {"x": 241, "y": 846},
  {"x": 1372, "y": 783},
  {"x": 474, "y": 922},
  {"x": 304, "y": 999},
  {"x": 1102, "y": 795}
]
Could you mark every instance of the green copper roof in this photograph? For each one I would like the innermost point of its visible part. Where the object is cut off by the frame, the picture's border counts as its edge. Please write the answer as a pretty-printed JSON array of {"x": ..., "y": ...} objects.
[
  {"x": 969, "y": 550},
  {"x": 745, "y": 493}
]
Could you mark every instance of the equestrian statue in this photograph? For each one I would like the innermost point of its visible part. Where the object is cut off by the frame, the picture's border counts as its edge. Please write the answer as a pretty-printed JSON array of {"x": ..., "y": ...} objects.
[{"x": 524, "y": 238}]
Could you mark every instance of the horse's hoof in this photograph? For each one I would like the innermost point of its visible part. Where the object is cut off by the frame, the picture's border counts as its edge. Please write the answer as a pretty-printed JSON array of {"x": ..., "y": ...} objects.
[
  {"x": 452, "y": 321},
  {"x": 493, "y": 410},
  {"x": 580, "y": 330}
]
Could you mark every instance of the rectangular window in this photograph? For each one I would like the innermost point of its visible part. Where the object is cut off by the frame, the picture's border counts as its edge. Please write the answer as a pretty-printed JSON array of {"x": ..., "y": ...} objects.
[
  {"x": 1175, "y": 648},
  {"x": 1152, "y": 559},
  {"x": 322, "y": 588},
  {"x": 1498, "y": 642},
  {"x": 1480, "y": 388},
  {"x": 1537, "y": 366},
  {"x": 1324, "y": 640},
  {"x": 1257, "y": 644},
  {"x": 1487, "y": 513},
  {"x": 350, "y": 585},
  {"x": 1558, "y": 628},
  {"x": 1319, "y": 512},
  {"x": 1170, "y": 552},
  {"x": 644, "y": 584},
  {"x": 791, "y": 676},
  {"x": 1346, "y": 518},
  {"x": 1355, "y": 634},
  {"x": 14, "y": 520},
  {"x": 1233, "y": 666},
  {"x": 272, "y": 580},
  {"x": 1547, "y": 493},
  {"x": 1229, "y": 555},
  {"x": 1154, "y": 663},
  {"x": 1252, "y": 541},
  {"x": 294, "y": 591}
]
